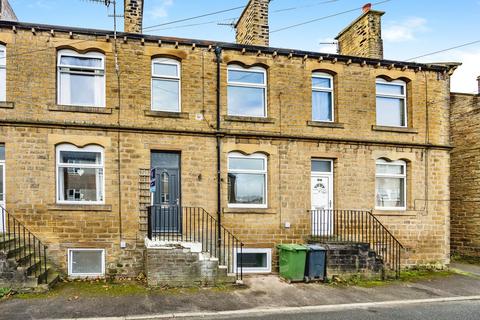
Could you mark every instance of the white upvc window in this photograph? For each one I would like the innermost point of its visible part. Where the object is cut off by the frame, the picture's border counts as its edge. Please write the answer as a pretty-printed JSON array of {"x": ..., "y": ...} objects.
[
  {"x": 322, "y": 97},
  {"x": 247, "y": 91},
  {"x": 81, "y": 79},
  {"x": 86, "y": 262},
  {"x": 3, "y": 73},
  {"x": 247, "y": 180},
  {"x": 80, "y": 174},
  {"x": 391, "y": 103},
  {"x": 391, "y": 185},
  {"x": 254, "y": 260},
  {"x": 166, "y": 85}
]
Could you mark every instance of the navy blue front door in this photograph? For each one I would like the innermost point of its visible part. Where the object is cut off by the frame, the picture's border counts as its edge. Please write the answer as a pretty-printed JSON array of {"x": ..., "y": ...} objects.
[{"x": 166, "y": 198}]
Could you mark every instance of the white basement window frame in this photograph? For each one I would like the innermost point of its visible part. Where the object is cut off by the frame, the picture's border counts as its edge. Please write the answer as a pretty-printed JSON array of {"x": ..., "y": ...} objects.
[
  {"x": 391, "y": 170},
  {"x": 90, "y": 65},
  {"x": 247, "y": 171},
  {"x": 268, "y": 260},
  {"x": 391, "y": 91},
  {"x": 71, "y": 262},
  {"x": 3, "y": 73},
  {"x": 322, "y": 83},
  {"x": 74, "y": 168},
  {"x": 166, "y": 77},
  {"x": 236, "y": 100}
]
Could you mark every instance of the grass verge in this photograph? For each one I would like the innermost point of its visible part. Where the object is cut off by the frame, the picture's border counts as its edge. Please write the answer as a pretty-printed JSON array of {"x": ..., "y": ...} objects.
[
  {"x": 410, "y": 275},
  {"x": 73, "y": 290}
]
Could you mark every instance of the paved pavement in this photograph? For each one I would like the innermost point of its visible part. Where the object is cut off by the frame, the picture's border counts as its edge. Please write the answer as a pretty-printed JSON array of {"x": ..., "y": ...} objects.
[
  {"x": 457, "y": 310},
  {"x": 468, "y": 268},
  {"x": 262, "y": 292}
]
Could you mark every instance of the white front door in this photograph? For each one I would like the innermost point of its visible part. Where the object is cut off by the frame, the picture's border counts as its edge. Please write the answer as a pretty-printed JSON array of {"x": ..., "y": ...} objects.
[
  {"x": 322, "y": 197},
  {"x": 2, "y": 196}
]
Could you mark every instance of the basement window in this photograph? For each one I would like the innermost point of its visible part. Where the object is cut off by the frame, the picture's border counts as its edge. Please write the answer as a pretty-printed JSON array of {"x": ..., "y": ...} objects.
[
  {"x": 86, "y": 262},
  {"x": 322, "y": 97},
  {"x": 166, "y": 85},
  {"x": 254, "y": 260},
  {"x": 3, "y": 73},
  {"x": 80, "y": 174},
  {"x": 391, "y": 103},
  {"x": 81, "y": 79},
  {"x": 247, "y": 91},
  {"x": 391, "y": 185},
  {"x": 247, "y": 180}
]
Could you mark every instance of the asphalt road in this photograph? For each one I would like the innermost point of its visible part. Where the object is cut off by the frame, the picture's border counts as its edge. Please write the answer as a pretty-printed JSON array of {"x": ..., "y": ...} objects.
[{"x": 461, "y": 310}]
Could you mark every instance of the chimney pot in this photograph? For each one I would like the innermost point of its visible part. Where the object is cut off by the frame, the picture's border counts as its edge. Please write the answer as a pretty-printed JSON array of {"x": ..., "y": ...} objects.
[{"x": 367, "y": 7}]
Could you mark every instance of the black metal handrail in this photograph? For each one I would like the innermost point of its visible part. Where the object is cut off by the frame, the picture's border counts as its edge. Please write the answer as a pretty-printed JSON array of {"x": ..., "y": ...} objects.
[
  {"x": 22, "y": 245},
  {"x": 359, "y": 226},
  {"x": 191, "y": 224}
]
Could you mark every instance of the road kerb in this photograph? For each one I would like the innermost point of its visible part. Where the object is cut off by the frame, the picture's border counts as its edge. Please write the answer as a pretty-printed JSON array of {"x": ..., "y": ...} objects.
[{"x": 304, "y": 309}]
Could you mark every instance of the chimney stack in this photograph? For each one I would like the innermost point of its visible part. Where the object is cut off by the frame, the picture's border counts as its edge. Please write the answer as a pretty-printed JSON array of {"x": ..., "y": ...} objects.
[
  {"x": 252, "y": 27},
  {"x": 133, "y": 12},
  {"x": 363, "y": 37}
]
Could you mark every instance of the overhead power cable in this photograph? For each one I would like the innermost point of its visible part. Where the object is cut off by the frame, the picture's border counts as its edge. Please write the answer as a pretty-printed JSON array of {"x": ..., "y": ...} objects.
[
  {"x": 195, "y": 17},
  {"x": 444, "y": 50},
  {"x": 193, "y": 24},
  {"x": 150, "y": 28},
  {"x": 325, "y": 17}
]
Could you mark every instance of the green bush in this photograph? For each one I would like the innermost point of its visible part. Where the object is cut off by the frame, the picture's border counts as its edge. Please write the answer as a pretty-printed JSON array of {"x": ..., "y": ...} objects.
[{"x": 4, "y": 292}]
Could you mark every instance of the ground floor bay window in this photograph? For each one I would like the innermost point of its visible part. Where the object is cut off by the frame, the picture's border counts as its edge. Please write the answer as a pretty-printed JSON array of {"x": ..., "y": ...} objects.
[
  {"x": 80, "y": 177},
  {"x": 390, "y": 185}
]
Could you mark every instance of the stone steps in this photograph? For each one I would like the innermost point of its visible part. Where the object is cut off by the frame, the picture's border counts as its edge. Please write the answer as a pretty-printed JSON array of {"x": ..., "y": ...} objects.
[
  {"x": 177, "y": 264},
  {"x": 21, "y": 268}
]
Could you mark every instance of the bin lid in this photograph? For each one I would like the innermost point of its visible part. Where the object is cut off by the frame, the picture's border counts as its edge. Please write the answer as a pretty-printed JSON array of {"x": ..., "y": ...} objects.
[
  {"x": 292, "y": 247},
  {"x": 314, "y": 247}
]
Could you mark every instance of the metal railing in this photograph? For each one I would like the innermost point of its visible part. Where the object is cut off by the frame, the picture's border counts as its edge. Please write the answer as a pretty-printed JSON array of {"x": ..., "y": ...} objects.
[
  {"x": 358, "y": 226},
  {"x": 22, "y": 245},
  {"x": 196, "y": 225}
]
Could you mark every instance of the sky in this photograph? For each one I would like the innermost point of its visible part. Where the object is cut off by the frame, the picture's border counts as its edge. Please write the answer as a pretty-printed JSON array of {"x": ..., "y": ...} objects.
[{"x": 410, "y": 27}]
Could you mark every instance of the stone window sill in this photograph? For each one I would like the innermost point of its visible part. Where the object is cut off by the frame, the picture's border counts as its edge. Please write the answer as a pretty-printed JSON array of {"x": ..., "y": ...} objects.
[
  {"x": 97, "y": 110},
  {"x": 249, "y": 211},
  {"x": 80, "y": 207},
  {"x": 248, "y": 119},
  {"x": 325, "y": 124},
  {"x": 7, "y": 105},
  {"x": 394, "y": 213},
  {"x": 394, "y": 129},
  {"x": 166, "y": 114}
]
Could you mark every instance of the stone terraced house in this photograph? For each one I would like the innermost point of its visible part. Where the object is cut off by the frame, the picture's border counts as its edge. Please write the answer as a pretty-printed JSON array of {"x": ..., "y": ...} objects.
[
  {"x": 465, "y": 166},
  {"x": 187, "y": 159}
]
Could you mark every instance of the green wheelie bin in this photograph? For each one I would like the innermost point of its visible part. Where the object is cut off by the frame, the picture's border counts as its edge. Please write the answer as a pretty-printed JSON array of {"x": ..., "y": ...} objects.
[{"x": 292, "y": 261}]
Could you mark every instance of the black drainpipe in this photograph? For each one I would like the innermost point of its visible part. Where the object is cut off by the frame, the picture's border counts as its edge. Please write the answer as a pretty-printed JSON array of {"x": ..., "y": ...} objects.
[{"x": 218, "y": 54}]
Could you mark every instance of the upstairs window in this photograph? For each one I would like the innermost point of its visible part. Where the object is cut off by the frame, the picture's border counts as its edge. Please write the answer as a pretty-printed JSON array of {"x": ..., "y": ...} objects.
[
  {"x": 322, "y": 97},
  {"x": 81, "y": 79},
  {"x": 391, "y": 103},
  {"x": 3, "y": 73},
  {"x": 165, "y": 85},
  {"x": 391, "y": 185},
  {"x": 247, "y": 180},
  {"x": 80, "y": 174},
  {"x": 247, "y": 91}
]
